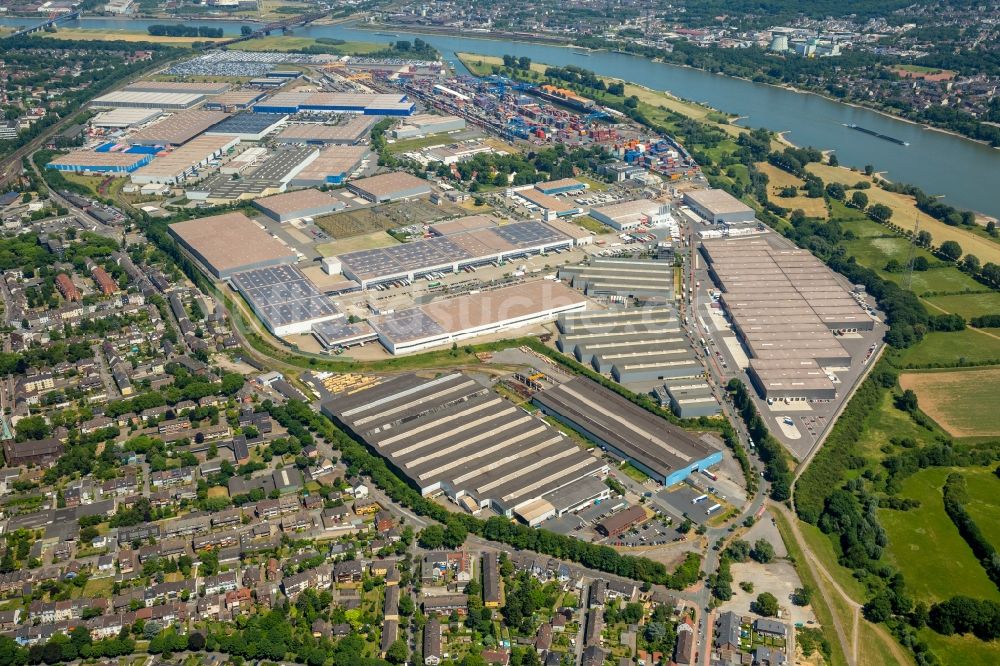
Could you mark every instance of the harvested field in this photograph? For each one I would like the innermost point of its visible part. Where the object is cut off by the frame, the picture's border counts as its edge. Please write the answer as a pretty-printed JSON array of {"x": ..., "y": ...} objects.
[
  {"x": 959, "y": 401},
  {"x": 779, "y": 179}
]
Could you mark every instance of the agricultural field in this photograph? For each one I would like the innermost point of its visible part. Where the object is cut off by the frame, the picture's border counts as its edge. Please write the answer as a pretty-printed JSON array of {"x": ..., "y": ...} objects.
[
  {"x": 905, "y": 213},
  {"x": 875, "y": 251},
  {"x": 89, "y": 34},
  {"x": 947, "y": 349},
  {"x": 968, "y": 305},
  {"x": 959, "y": 401},
  {"x": 779, "y": 179},
  {"x": 923, "y": 543}
]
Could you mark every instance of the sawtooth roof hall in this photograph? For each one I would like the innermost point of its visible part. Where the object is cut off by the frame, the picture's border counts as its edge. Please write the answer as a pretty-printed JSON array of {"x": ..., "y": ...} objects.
[{"x": 453, "y": 434}]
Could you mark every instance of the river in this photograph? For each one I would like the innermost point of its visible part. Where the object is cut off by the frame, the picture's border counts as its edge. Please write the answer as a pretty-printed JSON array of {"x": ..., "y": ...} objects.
[{"x": 966, "y": 173}]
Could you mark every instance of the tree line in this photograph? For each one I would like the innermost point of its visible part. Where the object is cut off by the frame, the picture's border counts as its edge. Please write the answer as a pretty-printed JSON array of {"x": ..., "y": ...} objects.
[{"x": 181, "y": 30}]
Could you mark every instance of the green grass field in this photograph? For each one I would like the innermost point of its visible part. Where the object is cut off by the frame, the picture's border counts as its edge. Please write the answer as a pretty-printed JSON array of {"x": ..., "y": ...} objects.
[
  {"x": 969, "y": 305},
  {"x": 925, "y": 544},
  {"x": 886, "y": 423},
  {"x": 973, "y": 346},
  {"x": 961, "y": 650},
  {"x": 984, "y": 486}
]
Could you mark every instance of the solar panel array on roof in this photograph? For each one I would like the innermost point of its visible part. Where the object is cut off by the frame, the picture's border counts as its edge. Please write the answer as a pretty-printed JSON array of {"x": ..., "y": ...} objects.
[
  {"x": 442, "y": 252},
  {"x": 285, "y": 299}
]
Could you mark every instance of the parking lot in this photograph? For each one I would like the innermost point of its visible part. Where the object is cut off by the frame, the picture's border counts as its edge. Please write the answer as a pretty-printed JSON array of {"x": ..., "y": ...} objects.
[{"x": 680, "y": 499}]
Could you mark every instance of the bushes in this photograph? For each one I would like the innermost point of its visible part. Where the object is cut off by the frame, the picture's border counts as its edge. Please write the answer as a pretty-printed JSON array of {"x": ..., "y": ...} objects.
[
  {"x": 955, "y": 497},
  {"x": 827, "y": 471},
  {"x": 775, "y": 459},
  {"x": 965, "y": 615}
]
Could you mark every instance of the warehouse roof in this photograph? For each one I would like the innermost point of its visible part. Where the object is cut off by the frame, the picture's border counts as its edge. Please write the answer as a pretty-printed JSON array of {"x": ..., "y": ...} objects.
[
  {"x": 628, "y": 209},
  {"x": 157, "y": 99},
  {"x": 178, "y": 128},
  {"x": 247, "y": 123},
  {"x": 238, "y": 98},
  {"x": 290, "y": 202},
  {"x": 333, "y": 161},
  {"x": 388, "y": 184},
  {"x": 124, "y": 117},
  {"x": 230, "y": 241},
  {"x": 718, "y": 201},
  {"x": 188, "y": 156},
  {"x": 85, "y": 158},
  {"x": 283, "y": 295},
  {"x": 197, "y": 87},
  {"x": 353, "y": 130},
  {"x": 630, "y": 429},
  {"x": 454, "y": 433}
]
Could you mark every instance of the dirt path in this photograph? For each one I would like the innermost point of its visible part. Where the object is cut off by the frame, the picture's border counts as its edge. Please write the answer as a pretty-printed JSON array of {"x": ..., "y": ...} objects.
[
  {"x": 849, "y": 644},
  {"x": 977, "y": 330}
]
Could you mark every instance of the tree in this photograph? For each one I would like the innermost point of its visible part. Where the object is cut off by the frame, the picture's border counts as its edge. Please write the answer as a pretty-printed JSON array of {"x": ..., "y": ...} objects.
[
  {"x": 836, "y": 191},
  {"x": 802, "y": 595},
  {"x": 907, "y": 401},
  {"x": 833, "y": 161},
  {"x": 880, "y": 213},
  {"x": 196, "y": 642},
  {"x": 431, "y": 537},
  {"x": 920, "y": 263},
  {"x": 763, "y": 551},
  {"x": 397, "y": 653},
  {"x": 971, "y": 264},
  {"x": 859, "y": 200},
  {"x": 950, "y": 250},
  {"x": 924, "y": 238},
  {"x": 246, "y": 30},
  {"x": 766, "y": 605}
]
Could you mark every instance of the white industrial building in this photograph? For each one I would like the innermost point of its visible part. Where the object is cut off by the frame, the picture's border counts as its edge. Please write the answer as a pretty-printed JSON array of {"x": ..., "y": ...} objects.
[{"x": 630, "y": 215}]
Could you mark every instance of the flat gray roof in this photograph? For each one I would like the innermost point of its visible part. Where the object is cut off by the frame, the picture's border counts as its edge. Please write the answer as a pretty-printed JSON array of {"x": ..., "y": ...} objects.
[
  {"x": 452, "y": 432},
  {"x": 630, "y": 429}
]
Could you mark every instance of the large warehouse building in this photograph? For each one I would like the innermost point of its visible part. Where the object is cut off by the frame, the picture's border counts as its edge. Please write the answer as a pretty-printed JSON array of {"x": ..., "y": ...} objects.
[
  {"x": 90, "y": 161},
  {"x": 421, "y": 124},
  {"x": 174, "y": 167},
  {"x": 298, "y": 204},
  {"x": 390, "y": 187},
  {"x": 369, "y": 104},
  {"x": 450, "y": 253},
  {"x": 333, "y": 166},
  {"x": 442, "y": 322},
  {"x": 177, "y": 128},
  {"x": 631, "y": 215},
  {"x": 169, "y": 101},
  {"x": 230, "y": 243},
  {"x": 192, "y": 87},
  {"x": 718, "y": 206},
  {"x": 452, "y": 434},
  {"x": 633, "y": 345},
  {"x": 644, "y": 279},
  {"x": 657, "y": 447},
  {"x": 285, "y": 299},
  {"x": 353, "y": 131},
  {"x": 785, "y": 305}
]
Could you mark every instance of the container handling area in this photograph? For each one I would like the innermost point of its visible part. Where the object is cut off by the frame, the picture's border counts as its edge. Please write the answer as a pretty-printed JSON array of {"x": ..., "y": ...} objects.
[{"x": 452, "y": 435}]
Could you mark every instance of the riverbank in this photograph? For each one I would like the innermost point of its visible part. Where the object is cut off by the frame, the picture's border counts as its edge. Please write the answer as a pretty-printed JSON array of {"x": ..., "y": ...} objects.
[
  {"x": 516, "y": 37},
  {"x": 513, "y": 37},
  {"x": 480, "y": 64}
]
